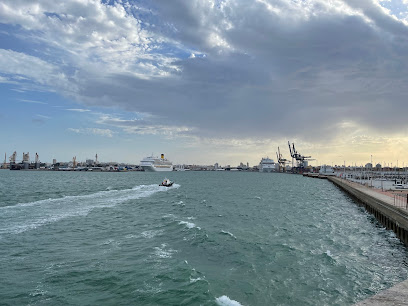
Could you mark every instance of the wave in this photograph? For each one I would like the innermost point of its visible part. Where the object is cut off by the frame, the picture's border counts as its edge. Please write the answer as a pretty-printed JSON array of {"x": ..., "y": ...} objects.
[
  {"x": 151, "y": 233},
  {"x": 189, "y": 224},
  {"x": 162, "y": 252},
  {"x": 28, "y": 216},
  {"x": 194, "y": 280},
  {"x": 226, "y": 301},
  {"x": 228, "y": 233}
]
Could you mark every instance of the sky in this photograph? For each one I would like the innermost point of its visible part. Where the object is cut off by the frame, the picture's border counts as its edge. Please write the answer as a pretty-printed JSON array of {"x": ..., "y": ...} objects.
[{"x": 205, "y": 81}]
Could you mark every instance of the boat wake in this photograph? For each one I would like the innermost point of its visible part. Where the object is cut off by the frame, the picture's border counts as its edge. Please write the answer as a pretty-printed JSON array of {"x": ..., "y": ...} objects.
[
  {"x": 28, "y": 216},
  {"x": 226, "y": 301}
]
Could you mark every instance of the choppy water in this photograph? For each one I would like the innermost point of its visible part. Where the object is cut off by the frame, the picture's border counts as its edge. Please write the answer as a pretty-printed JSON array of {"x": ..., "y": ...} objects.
[{"x": 225, "y": 238}]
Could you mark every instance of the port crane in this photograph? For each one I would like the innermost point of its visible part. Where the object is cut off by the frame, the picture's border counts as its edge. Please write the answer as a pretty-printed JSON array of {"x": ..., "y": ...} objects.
[
  {"x": 13, "y": 158},
  {"x": 282, "y": 161},
  {"x": 300, "y": 159}
]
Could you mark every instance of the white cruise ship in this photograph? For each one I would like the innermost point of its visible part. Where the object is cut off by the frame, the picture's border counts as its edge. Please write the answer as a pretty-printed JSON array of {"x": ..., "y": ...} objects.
[
  {"x": 267, "y": 165},
  {"x": 152, "y": 163}
]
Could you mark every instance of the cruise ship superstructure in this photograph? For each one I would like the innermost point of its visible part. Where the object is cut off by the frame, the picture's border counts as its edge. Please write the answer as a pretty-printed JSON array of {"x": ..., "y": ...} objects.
[
  {"x": 154, "y": 163},
  {"x": 267, "y": 165}
]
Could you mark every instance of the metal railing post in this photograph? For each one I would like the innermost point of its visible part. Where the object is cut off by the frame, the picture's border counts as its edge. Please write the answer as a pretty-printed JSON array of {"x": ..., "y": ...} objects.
[{"x": 406, "y": 205}]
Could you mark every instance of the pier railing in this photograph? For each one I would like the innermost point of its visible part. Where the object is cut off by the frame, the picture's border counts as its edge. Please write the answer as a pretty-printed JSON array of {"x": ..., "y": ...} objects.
[{"x": 401, "y": 201}]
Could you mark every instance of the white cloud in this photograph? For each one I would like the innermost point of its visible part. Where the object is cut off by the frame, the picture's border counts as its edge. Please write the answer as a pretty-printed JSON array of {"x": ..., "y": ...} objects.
[
  {"x": 90, "y": 33},
  {"x": 31, "y": 101},
  {"x": 78, "y": 131},
  {"x": 6, "y": 80},
  {"x": 144, "y": 127},
  {"x": 78, "y": 110},
  {"x": 43, "y": 116},
  {"x": 20, "y": 68},
  {"x": 93, "y": 131},
  {"x": 101, "y": 132},
  {"x": 261, "y": 68}
]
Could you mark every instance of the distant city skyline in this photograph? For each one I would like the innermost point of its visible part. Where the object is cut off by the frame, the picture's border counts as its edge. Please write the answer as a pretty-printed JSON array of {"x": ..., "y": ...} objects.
[{"x": 223, "y": 81}]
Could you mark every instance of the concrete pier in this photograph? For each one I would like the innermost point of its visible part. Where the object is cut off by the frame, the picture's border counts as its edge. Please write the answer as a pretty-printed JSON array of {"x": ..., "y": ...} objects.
[{"x": 397, "y": 295}]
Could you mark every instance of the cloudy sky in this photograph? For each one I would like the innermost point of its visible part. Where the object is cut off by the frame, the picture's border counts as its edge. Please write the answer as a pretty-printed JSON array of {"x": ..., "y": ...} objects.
[{"x": 205, "y": 81}]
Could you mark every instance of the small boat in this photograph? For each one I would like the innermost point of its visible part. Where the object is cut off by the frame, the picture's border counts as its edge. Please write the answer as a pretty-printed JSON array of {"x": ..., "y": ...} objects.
[
  {"x": 166, "y": 183},
  {"x": 400, "y": 186}
]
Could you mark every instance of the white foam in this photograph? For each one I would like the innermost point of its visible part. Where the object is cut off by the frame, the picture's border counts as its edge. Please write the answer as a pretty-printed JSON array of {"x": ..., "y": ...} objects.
[
  {"x": 28, "y": 216},
  {"x": 109, "y": 241},
  {"x": 228, "y": 233},
  {"x": 226, "y": 301},
  {"x": 168, "y": 216},
  {"x": 38, "y": 291},
  {"x": 161, "y": 252},
  {"x": 193, "y": 280},
  {"x": 163, "y": 188},
  {"x": 130, "y": 236},
  {"x": 152, "y": 233},
  {"x": 189, "y": 224}
]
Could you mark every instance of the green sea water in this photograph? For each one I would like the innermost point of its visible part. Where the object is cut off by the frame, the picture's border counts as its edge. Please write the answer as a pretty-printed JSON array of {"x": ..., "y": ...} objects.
[{"x": 214, "y": 238}]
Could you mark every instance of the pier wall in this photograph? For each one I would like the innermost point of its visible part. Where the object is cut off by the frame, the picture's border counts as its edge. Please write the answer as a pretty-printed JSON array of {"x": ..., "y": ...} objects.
[{"x": 393, "y": 218}]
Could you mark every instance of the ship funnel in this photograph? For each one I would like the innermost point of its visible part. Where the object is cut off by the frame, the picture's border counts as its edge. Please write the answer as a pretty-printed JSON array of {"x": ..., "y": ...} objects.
[{"x": 162, "y": 156}]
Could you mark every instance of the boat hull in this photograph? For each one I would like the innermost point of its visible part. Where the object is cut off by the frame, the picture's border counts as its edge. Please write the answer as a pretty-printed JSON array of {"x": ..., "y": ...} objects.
[
  {"x": 151, "y": 168},
  {"x": 267, "y": 170}
]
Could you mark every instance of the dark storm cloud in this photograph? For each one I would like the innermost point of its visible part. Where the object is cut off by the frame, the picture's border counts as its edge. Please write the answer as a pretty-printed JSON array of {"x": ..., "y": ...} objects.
[
  {"x": 270, "y": 74},
  {"x": 276, "y": 69}
]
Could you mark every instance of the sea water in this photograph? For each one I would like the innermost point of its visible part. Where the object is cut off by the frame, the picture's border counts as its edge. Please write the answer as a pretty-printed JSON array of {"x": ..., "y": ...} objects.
[{"x": 213, "y": 238}]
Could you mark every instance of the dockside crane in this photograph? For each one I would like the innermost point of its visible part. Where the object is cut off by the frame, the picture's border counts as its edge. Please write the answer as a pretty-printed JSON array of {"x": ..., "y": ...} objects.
[
  {"x": 282, "y": 161},
  {"x": 300, "y": 159},
  {"x": 13, "y": 158}
]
